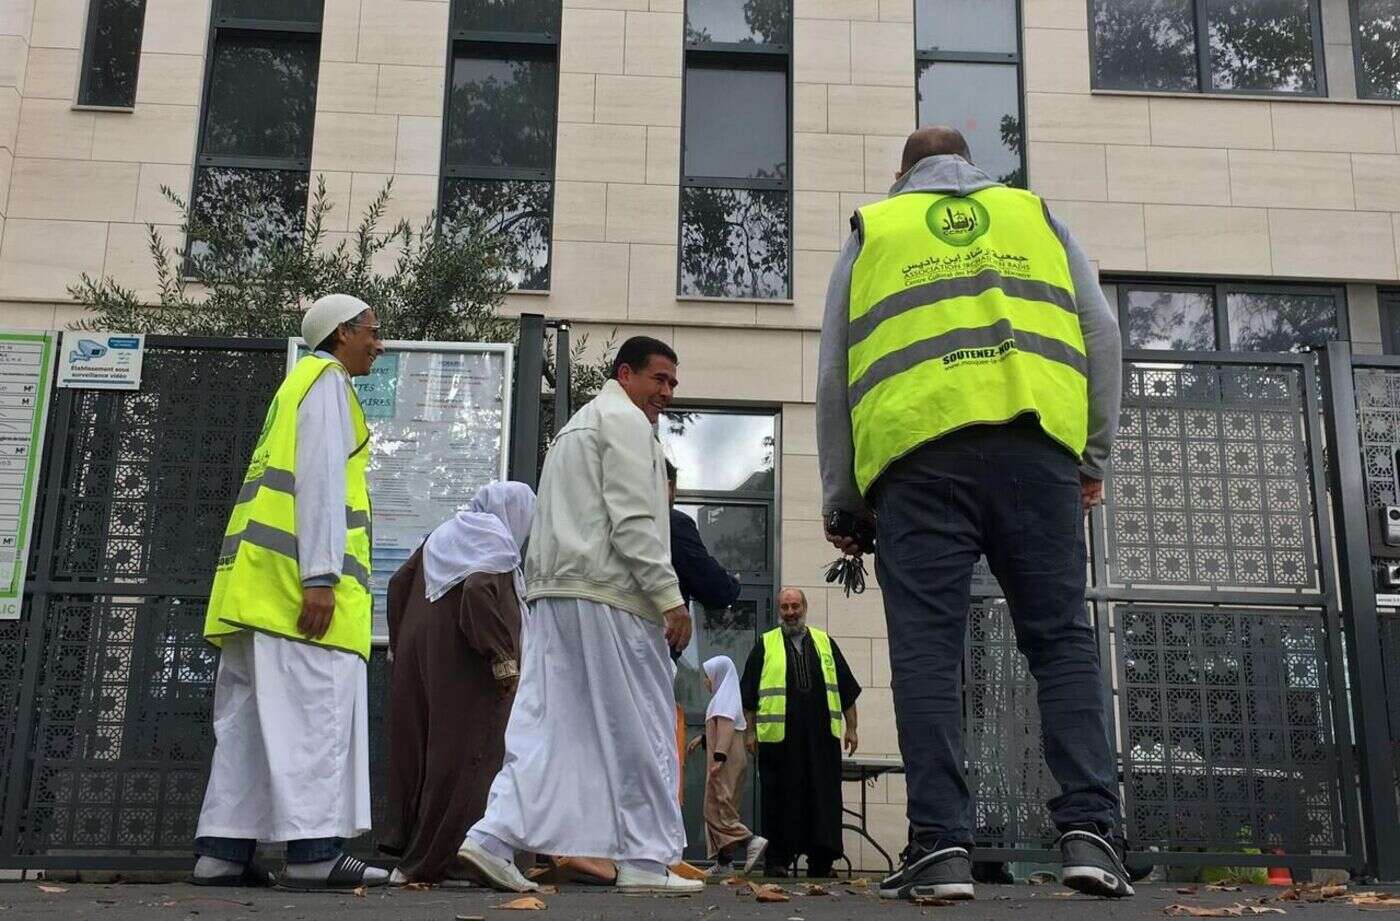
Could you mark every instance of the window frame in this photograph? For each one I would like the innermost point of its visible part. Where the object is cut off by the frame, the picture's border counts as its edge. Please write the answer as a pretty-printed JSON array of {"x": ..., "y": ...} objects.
[
  {"x": 777, "y": 57},
  {"x": 1015, "y": 58},
  {"x": 460, "y": 38},
  {"x": 1220, "y": 291},
  {"x": 304, "y": 30},
  {"x": 1363, "y": 83},
  {"x": 1388, "y": 302},
  {"x": 85, "y": 61},
  {"x": 1205, "y": 78}
]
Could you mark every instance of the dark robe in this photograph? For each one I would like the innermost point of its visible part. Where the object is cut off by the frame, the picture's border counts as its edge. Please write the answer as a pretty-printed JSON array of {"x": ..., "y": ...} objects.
[
  {"x": 447, "y": 718},
  {"x": 800, "y": 777}
]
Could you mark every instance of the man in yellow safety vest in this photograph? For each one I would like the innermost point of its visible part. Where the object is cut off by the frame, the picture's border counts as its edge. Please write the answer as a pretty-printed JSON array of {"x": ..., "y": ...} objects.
[
  {"x": 799, "y": 700},
  {"x": 968, "y": 391},
  {"x": 290, "y": 610}
]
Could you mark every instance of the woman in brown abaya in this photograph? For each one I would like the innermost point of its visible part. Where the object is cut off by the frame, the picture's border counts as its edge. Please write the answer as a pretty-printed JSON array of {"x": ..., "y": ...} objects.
[{"x": 455, "y": 614}]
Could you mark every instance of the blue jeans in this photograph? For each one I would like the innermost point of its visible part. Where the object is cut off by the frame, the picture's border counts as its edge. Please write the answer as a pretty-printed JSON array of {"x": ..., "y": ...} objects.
[
  {"x": 1008, "y": 492},
  {"x": 240, "y": 850}
]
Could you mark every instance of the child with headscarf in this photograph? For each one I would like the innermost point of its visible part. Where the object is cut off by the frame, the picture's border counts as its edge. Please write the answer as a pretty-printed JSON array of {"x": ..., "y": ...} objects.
[
  {"x": 727, "y": 837},
  {"x": 455, "y": 608}
]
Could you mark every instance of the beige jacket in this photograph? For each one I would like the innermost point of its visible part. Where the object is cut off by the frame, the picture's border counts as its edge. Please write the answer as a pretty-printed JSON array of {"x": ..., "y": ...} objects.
[{"x": 602, "y": 528}]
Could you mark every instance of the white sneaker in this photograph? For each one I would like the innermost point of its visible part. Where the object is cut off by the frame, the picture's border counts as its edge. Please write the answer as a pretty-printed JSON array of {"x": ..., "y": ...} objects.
[
  {"x": 630, "y": 879},
  {"x": 754, "y": 852},
  {"x": 499, "y": 874}
]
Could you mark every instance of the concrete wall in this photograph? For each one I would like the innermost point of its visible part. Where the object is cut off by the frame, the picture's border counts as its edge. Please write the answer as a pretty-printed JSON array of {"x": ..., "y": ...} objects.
[{"x": 1171, "y": 184}]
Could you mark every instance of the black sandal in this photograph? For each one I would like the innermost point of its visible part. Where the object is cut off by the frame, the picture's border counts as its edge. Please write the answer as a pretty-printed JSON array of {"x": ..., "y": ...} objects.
[
  {"x": 253, "y": 876},
  {"x": 348, "y": 873}
]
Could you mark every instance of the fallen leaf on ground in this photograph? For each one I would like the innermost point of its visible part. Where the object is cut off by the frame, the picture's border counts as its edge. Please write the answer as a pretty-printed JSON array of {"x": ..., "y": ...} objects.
[
  {"x": 1221, "y": 887},
  {"x": 814, "y": 889},
  {"x": 768, "y": 892},
  {"x": 1373, "y": 900},
  {"x": 1197, "y": 911},
  {"x": 930, "y": 901},
  {"x": 1265, "y": 910},
  {"x": 549, "y": 890},
  {"x": 417, "y": 887},
  {"x": 1186, "y": 890},
  {"x": 528, "y": 903},
  {"x": 1042, "y": 878},
  {"x": 43, "y": 888},
  {"x": 1313, "y": 892},
  {"x": 360, "y": 891},
  {"x": 735, "y": 881},
  {"x": 860, "y": 882}
]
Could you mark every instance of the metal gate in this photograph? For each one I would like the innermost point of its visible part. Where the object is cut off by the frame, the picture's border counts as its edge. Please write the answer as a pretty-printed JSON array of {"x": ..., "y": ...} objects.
[
  {"x": 1214, "y": 595},
  {"x": 1237, "y": 672},
  {"x": 107, "y": 683}
]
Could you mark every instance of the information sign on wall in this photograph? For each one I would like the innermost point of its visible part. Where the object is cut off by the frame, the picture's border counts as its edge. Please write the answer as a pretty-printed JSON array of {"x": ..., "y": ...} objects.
[{"x": 26, "y": 367}]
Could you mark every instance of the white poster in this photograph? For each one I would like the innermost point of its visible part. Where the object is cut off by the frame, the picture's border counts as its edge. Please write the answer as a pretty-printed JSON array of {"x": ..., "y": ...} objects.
[
  {"x": 101, "y": 361},
  {"x": 439, "y": 417}
]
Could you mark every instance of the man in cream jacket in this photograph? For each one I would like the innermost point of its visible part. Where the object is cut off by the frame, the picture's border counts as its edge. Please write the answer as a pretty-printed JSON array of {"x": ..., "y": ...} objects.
[{"x": 591, "y": 765}]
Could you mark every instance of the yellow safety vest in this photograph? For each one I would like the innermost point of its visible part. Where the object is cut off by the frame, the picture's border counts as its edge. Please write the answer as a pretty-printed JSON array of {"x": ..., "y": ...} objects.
[
  {"x": 258, "y": 582},
  {"x": 962, "y": 311},
  {"x": 772, "y": 685}
]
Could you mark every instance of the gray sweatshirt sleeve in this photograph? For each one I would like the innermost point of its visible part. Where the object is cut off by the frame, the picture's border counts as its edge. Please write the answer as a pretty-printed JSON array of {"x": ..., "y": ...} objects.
[
  {"x": 835, "y": 448},
  {"x": 1103, "y": 346},
  {"x": 324, "y": 439}
]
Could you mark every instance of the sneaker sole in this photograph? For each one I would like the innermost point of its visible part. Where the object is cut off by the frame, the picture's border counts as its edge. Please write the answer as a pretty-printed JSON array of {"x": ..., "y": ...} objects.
[
  {"x": 1096, "y": 881},
  {"x": 493, "y": 877},
  {"x": 954, "y": 891},
  {"x": 659, "y": 890}
]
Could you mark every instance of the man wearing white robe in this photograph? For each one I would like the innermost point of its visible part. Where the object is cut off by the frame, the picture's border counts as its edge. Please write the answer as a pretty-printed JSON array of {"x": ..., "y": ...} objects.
[
  {"x": 591, "y": 764},
  {"x": 291, "y": 761}
]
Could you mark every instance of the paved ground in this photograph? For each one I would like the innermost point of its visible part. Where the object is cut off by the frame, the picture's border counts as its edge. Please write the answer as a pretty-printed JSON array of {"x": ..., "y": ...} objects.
[{"x": 180, "y": 902}]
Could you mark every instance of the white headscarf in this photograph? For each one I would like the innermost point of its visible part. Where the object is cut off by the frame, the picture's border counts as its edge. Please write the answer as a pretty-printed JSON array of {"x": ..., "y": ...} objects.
[
  {"x": 725, "y": 700},
  {"x": 486, "y": 536}
]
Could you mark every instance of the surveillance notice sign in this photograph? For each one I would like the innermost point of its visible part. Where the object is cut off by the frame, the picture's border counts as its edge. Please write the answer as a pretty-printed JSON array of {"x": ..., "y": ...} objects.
[{"x": 101, "y": 361}]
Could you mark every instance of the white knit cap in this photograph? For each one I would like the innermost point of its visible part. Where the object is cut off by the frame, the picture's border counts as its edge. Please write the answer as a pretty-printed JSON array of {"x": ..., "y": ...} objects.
[{"x": 322, "y": 318}]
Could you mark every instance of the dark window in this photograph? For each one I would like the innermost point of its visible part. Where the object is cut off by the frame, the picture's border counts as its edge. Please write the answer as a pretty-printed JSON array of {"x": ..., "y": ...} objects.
[
  {"x": 734, "y": 242},
  {"x": 519, "y": 209},
  {"x": 1181, "y": 320},
  {"x": 736, "y": 185},
  {"x": 112, "y": 53},
  {"x": 1278, "y": 321},
  {"x": 271, "y": 11},
  {"x": 734, "y": 22},
  {"x": 1249, "y": 46},
  {"x": 498, "y": 138},
  {"x": 969, "y": 78},
  {"x": 262, "y": 96},
  {"x": 1390, "y": 320},
  {"x": 1377, "y": 36},
  {"x": 736, "y": 123},
  {"x": 259, "y": 110},
  {"x": 501, "y": 107},
  {"x": 1145, "y": 45},
  {"x": 524, "y": 17},
  {"x": 1247, "y": 317}
]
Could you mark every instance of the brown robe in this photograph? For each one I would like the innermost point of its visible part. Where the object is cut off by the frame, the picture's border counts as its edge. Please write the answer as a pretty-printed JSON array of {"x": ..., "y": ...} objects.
[{"x": 447, "y": 718}]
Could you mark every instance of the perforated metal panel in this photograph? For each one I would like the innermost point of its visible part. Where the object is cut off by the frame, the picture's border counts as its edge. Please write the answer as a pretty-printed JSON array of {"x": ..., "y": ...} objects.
[
  {"x": 1005, "y": 758},
  {"x": 1227, "y": 728},
  {"x": 1210, "y": 485}
]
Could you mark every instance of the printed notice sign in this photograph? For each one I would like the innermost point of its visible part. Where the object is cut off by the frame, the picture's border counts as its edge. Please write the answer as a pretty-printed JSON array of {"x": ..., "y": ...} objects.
[
  {"x": 438, "y": 415},
  {"x": 101, "y": 361},
  {"x": 26, "y": 363}
]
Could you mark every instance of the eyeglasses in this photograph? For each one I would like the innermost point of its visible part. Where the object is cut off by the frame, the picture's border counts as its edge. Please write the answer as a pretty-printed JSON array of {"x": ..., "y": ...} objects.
[{"x": 373, "y": 329}]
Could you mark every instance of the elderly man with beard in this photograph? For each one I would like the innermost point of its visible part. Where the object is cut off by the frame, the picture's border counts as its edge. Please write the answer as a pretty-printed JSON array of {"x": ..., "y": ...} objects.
[{"x": 799, "y": 700}]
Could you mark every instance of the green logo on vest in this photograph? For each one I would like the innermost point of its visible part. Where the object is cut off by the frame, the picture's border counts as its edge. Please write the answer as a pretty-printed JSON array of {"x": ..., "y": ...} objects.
[
  {"x": 267, "y": 424},
  {"x": 957, "y": 221}
]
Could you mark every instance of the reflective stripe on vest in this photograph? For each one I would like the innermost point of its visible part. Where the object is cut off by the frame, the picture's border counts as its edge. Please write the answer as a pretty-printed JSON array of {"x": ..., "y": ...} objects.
[
  {"x": 962, "y": 311},
  {"x": 257, "y": 585},
  {"x": 772, "y": 685}
]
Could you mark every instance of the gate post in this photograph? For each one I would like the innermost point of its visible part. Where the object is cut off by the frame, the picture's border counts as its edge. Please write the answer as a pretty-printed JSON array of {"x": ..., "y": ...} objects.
[
  {"x": 525, "y": 428},
  {"x": 1380, "y": 818}
]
